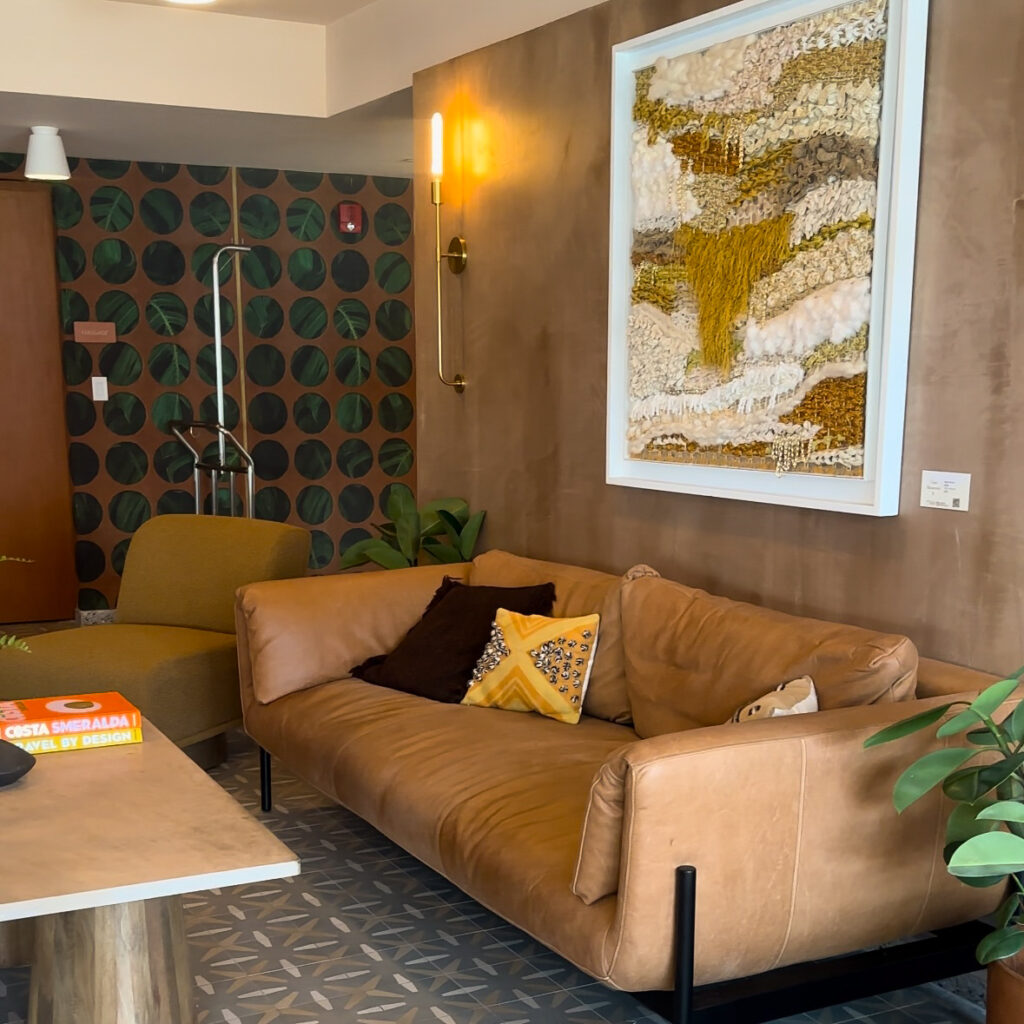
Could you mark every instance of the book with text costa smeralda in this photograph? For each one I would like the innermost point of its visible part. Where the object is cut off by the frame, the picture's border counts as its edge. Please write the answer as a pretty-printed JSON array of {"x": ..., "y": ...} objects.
[{"x": 84, "y": 721}]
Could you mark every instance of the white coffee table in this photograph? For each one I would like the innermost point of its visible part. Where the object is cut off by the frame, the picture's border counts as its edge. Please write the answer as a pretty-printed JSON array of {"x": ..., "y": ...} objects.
[{"x": 96, "y": 847}]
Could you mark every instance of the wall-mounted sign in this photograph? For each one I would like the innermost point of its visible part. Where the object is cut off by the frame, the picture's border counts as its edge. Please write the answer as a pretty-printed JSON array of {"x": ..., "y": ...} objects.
[{"x": 94, "y": 333}]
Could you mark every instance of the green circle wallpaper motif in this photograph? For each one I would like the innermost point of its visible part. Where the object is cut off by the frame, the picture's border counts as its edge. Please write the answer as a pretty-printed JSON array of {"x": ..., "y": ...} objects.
[
  {"x": 163, "y": 263},
  {"x": 124, "y": 414},
  {"x": 305, "y": 219},
  {"x": 120, "y": 363},
  {"x": 80, "y": 413},
  {"x": 111, "y": 208},
  {"x": 271, "y": 458},
  {"x": 119, "y": 308},
  {"x": 159, "y": 173},
  {"x": 161, "y": 211},
  {"x": 71, "y": 261},
  {"x": 210, "y": 214},
  {"x": 203, "y": 315},
  {"x": 126, "y": 462},
  {"x": 83, "y": 464},
  {"x": 114, "y": 261},
  {"x": 72, "y": 307},
  {"x": 327, "y": 338},
  {"x": 356, "y": 503},
  {"x": 77, "y": 362},
  {"x": 265, "y": 365},
  {"x": 206, "y": 365},
  {"x": 309, "y": 366}
]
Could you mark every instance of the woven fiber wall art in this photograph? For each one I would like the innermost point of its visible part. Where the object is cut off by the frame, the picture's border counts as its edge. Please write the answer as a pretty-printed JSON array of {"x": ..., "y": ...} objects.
[{"x": 759, "y": 324}]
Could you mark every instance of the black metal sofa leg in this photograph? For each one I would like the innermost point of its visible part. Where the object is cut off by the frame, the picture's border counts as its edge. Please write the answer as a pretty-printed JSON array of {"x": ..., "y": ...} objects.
[
  {"x": 265, "y": 796},
  {"x": 685, "y": 915}
]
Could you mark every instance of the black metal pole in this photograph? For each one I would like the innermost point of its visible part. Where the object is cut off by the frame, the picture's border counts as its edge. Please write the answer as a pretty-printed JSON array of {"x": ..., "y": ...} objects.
[
  {"x": 685, "y": 916},
  {"x": 265, "y": 800}
]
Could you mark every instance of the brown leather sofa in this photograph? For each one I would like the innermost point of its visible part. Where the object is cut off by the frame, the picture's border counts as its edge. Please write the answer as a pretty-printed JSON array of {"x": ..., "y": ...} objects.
[{"x": 573, "y": 833}]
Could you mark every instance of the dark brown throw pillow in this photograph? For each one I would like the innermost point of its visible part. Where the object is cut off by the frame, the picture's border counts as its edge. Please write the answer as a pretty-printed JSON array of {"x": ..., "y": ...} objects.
[{"x": 437, "y": 656}]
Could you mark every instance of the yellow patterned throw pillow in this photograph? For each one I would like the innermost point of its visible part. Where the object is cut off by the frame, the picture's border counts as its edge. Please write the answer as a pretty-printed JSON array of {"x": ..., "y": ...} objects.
[{"x": 534, "y": 663}]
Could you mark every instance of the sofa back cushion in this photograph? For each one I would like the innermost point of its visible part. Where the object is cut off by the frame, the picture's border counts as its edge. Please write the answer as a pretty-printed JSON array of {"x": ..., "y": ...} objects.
[
  {"x": 578, "y": 592},
  {"x": 693, "y": 658}
]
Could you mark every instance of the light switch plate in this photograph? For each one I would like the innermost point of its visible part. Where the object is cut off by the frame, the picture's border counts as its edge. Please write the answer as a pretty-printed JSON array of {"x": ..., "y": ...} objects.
[
  {"x": 99, "y": 389},
  {"x": 945, "y": 490}
]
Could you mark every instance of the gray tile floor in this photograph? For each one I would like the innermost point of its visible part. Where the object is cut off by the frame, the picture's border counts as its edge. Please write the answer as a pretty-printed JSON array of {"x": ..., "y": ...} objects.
[{"x": 368, "y": 934}]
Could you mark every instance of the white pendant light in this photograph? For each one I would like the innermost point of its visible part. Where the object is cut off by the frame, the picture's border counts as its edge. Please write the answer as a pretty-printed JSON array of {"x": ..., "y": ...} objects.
[{"x": 45, "y": 160}]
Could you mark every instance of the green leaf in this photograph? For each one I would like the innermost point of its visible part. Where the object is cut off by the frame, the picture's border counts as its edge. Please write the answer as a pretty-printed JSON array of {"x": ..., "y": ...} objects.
[
  {"x": 442, "y": 552},
  {"x": 386, "y": 556},
  {"x": 351, "y": 319},
  {"x": 166, "y": 314},
  {"x": 963, "y": 823},
  {"x": 907, "y": 726},
  {"x": 451, "y": 526},
  {"x": 983, "y": 706},
  {"x": 982, "y": 738},
  {"x": 470, "y": 533},
  {"x": 305, "y": 220},
  {"x": 12, "y": 643},
  {"x": 971, "y": 784},
  {"x": 111, "y": 208},
  {"x": 1015, "y": 723},
  {"x": 1003, "y": 810},
  {"x": 407, "y": 529},
  {"x": 1007, "y": 910},
  {"x": 926, "y": 773},
  {"x": 988, "y": 854},
  {"x": 400, "y": 503},
  {"x": 432, "y": 524},
  {"x": 355, "y": 554},
  {"x": 1000, "y": 944}
]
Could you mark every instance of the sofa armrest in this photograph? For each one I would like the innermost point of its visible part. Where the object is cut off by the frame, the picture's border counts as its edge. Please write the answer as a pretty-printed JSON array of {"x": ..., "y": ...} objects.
[
  {"x": 798, "y": 849},
  {"x": 294, "y": 634}
]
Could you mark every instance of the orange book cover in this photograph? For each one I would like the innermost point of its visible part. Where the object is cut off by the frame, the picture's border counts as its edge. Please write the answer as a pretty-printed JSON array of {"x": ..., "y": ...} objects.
[{"x": 49, "y": 724}]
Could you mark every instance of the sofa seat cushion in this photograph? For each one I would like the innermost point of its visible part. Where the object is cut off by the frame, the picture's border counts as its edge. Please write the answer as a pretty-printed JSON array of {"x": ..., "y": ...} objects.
[
  {"x": 182, "y": 680},
  {"x": 693, "y": 658},
  {"x": 492, "y": 799},
  {"x": 578, "y": 592}
]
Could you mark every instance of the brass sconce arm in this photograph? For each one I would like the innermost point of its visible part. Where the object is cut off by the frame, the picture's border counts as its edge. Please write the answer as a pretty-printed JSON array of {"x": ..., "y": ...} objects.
[{"x": 457, "y": 256}]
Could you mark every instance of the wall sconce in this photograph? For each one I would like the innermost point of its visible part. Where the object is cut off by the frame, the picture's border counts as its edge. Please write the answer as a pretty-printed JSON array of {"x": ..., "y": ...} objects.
[
  {"x": 45, "y": 159},
  {"x": 457, "y": 254}
]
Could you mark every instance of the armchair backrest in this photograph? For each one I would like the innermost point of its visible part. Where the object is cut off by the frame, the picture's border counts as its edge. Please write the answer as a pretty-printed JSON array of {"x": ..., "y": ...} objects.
[{"x": 183, "y": 570}]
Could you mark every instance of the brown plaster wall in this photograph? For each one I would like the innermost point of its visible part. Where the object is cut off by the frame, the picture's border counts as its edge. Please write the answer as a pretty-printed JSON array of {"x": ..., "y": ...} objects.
[{"x": 528, "y": 187}]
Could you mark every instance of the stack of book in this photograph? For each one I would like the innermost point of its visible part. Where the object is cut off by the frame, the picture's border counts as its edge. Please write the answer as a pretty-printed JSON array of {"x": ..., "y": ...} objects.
[{"x": 84, "y": 721}]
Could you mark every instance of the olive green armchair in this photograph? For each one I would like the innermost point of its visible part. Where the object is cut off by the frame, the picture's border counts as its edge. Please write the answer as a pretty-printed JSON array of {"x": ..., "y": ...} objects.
[{"x": 171, "y": 648}]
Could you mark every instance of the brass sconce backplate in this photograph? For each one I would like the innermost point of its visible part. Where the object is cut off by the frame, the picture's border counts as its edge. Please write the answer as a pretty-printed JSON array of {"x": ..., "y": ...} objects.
[{"x": 457, "y": 254}]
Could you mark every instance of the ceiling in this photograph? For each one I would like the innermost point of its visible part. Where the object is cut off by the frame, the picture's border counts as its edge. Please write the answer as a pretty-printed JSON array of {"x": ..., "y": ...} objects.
[
  {"x": 375, "y": 138},
  {"x": 314, "y": 12}
]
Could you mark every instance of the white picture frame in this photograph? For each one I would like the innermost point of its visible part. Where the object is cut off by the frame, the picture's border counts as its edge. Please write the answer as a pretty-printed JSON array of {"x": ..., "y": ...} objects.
[{"x": 877, "y": 492}]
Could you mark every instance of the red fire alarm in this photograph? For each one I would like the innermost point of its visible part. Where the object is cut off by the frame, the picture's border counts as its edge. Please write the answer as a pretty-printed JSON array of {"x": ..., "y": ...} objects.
[{"x": 350, "y": 218}]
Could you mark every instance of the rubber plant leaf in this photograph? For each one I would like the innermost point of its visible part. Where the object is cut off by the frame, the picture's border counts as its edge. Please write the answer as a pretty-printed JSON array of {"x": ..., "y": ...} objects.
[
  {"x": 451, "y": 526},
  {"x": 984, "y": 705},
  {"x": 1003, "y": 810},
  {"x": 442, "y": 552},
  {"x": 909, "y": 725},
  {"x": 385, "y": 555},
  {"x": 926, "y": 773},
  {"x": 991, "y": 853},
  {"x": 470, "y": 534}
]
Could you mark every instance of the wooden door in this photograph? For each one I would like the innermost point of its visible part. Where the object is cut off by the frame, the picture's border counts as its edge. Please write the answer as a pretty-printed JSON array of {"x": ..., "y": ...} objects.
[{"x": 35, "y": 486}]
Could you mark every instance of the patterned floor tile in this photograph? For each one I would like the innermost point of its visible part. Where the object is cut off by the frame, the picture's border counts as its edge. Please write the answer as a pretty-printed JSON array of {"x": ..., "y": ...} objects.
[{"x": 369, "y": 935}]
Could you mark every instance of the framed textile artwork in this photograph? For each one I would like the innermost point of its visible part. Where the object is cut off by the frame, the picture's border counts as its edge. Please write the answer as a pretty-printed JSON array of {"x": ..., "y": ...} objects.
[{"x": 764, "y": 195}]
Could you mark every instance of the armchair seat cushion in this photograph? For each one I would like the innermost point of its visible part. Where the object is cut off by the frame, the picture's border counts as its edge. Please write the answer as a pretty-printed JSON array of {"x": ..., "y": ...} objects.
[{"x": 185, "y": 681}]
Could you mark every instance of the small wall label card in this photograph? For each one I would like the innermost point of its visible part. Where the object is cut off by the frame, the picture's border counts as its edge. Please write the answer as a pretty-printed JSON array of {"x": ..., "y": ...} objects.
[
  {"x": 89, "y": 332},
  {"x": 945, "y": 490},
  {"x": 763, "y": 212}
]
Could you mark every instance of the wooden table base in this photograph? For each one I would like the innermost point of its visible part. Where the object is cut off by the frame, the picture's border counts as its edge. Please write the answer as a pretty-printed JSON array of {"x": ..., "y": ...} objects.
[{"x": 125, "y": 964}]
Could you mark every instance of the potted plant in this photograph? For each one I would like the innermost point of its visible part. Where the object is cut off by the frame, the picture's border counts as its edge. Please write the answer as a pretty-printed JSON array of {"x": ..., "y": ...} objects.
[
  {"x": 985, "y": 829},
  {"x": 8, "y": 642},
  {"x": 442, "y": 531}
]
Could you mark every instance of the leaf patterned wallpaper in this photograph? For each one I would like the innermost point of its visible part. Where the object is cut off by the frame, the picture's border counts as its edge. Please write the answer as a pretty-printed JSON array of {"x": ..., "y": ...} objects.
[{"x": 323, "y": 386}]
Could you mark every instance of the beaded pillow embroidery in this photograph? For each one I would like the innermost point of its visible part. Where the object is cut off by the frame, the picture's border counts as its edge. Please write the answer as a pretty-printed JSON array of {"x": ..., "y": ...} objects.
[{"x": 536, "y": 663}]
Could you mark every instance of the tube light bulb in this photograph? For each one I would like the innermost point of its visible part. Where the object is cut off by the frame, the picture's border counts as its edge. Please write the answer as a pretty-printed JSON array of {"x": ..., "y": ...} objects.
[{"x": 436, "y": 147}]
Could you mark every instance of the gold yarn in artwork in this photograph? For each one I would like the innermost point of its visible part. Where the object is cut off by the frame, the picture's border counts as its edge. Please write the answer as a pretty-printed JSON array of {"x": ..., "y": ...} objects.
[
  {"x": 657, "y": 284},
  {"x": 837, "y": 352},
  {"x": 721, "y": 269},
  {"x": 702, "y": 152},
  {"x": 857, "y": 62},
  {"x": 836, "y": 405},
  {"x": 830, "y": 231}
]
